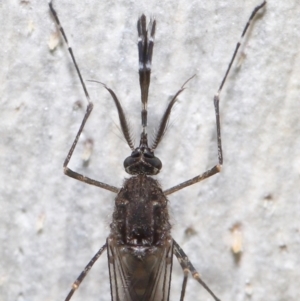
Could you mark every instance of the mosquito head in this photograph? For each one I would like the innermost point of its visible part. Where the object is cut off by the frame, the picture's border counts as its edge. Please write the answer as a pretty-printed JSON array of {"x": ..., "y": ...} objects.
[{"x": 142, "y": 160}]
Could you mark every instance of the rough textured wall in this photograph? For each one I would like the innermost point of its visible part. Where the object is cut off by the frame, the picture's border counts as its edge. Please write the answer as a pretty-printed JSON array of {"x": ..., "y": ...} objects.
[{"x": 52, "y": 225}]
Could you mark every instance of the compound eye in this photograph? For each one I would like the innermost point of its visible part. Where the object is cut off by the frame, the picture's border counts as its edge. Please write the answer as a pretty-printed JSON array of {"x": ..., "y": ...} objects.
[
  {"x": 135, "y": 154},
  {"x": 129, "y": 161},
  {"x": 142, "y": 162},
  {"x": 155, "y": 162},
  {"x": 148, "y": 154}
]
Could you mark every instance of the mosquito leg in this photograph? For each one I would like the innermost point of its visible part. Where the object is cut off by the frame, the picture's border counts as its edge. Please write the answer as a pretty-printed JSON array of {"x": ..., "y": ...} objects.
[
  {"x": 254, "y": 12},
  {"x": 187, "y": 268},
  {"x": 85, "y": 271},
  {"x": 217, "y": 168},
  {"x": 89, "y": 109}
]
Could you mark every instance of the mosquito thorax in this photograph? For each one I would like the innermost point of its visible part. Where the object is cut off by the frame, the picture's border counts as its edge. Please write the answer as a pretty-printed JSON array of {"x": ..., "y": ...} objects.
[{"x": 142, "y": 161}]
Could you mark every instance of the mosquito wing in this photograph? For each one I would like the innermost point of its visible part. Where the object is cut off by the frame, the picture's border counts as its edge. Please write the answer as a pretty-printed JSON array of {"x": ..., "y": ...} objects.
[{"x": 139, "y": 273}]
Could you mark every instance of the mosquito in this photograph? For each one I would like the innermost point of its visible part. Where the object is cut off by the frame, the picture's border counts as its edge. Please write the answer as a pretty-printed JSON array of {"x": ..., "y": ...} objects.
[{"x": 140, "y": 247}]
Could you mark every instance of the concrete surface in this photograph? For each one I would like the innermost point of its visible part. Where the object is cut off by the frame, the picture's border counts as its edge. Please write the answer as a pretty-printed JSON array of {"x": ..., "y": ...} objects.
[{"x": 52, "y": 225}]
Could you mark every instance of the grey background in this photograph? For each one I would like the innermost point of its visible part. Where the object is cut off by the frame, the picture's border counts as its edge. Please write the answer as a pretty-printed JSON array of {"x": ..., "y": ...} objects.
[{"x": 52, "y": 225}]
